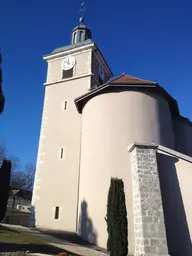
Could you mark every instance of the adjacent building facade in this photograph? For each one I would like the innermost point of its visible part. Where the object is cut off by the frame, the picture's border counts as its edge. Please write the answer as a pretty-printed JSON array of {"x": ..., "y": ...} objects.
[{"x": 94, "y": 128}]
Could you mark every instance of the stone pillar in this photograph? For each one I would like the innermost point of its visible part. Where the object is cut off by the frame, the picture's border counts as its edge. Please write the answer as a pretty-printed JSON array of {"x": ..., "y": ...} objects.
[{"x": 149, "y": 225}]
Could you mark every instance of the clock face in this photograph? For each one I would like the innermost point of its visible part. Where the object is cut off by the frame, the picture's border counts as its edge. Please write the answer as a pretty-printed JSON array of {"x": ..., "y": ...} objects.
[
  {"x": 101, "y": 73},
  {"x": 68, "y": 63}
]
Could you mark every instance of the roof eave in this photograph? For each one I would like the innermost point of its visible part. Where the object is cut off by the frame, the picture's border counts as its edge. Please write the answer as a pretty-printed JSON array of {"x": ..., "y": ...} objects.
[
  {"x": 102, "y": 87},
  {"x": 134, "y": 84},
  {"x": 108, "y": 84},
  {"x": 69, "y": 50},
  {"x": 160, "y": 90}
]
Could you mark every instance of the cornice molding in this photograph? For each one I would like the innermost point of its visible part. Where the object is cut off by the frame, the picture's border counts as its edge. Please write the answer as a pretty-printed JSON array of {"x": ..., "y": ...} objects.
[
  {"x": 68, "y": 79},
  {"x": 54, "y": 56}
]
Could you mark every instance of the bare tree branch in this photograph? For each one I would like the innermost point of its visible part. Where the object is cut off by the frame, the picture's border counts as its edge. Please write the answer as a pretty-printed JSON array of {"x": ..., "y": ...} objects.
[
  {"x": 21, "y": 177},
  {"x": 3, "y": 151},
  {"x": 30, "y": 174}
]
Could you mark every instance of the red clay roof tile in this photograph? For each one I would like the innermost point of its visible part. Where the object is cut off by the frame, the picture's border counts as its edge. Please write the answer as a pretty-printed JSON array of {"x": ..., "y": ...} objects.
[{"x": 125, "y": 79}]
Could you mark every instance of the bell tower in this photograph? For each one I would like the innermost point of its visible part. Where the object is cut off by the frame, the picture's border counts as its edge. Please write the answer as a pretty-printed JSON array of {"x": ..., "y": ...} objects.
[{"x": 72, "y": 70}]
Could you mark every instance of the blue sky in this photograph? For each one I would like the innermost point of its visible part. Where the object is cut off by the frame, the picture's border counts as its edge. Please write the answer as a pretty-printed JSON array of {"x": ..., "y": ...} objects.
[{"x": 147, "y": 39}]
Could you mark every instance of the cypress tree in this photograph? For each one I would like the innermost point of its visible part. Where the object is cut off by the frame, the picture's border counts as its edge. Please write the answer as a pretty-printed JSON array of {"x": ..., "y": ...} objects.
[
  {"x": 117, "y": 243},
  {"x": 2, "y": 99},
  {"x": 1, "y": 78},
  {"x": 5, "y": 176}
]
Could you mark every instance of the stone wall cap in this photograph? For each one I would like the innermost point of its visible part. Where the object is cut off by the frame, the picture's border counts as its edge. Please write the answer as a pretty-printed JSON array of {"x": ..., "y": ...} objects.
[
  {"x": 158, "y": 147},
  {"x": 151, "y": 145}
]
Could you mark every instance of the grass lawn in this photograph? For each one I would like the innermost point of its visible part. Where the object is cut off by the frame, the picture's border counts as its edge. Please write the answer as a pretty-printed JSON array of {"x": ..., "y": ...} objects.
[{"x": 11, "y": 241}]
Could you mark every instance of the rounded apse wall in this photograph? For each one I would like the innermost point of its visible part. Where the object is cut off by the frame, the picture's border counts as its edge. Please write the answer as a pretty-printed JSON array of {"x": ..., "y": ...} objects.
[
  {"x": 110, "y": 123},
  {"x": 183, "y": 137}
]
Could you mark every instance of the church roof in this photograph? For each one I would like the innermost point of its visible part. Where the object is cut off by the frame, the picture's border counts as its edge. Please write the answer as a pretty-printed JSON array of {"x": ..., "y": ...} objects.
[
  {"x": 126, "y": 79},
  {"x": 72, "y": 46},
  {"x": 126, "y": 82},
  {"x": 78, "y": 45},
  {"x": 81, "y": 26}
]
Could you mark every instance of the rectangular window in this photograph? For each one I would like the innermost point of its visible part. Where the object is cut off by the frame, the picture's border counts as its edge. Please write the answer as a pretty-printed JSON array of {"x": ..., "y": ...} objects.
[
  {"x": 74, "y": 37},
  {"x": 56, "y": 212},
  {"x": 62, "y": 153},
  {"x": 81, "y": 36},
  {"x": 65, "y": 105},
  {"x": 67, "y": 73}
]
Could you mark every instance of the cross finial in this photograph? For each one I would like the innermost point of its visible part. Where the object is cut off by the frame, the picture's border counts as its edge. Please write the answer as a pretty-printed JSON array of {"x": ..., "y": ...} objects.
[{"x": 82, "y": 10}]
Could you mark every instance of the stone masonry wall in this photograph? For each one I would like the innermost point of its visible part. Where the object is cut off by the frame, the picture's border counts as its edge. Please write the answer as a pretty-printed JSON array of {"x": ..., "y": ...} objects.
[{"x": 149, "y": 226}]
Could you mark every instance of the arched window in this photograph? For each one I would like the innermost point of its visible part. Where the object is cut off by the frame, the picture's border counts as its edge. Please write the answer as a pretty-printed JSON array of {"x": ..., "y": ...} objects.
[{"x": 80, "y": 36}]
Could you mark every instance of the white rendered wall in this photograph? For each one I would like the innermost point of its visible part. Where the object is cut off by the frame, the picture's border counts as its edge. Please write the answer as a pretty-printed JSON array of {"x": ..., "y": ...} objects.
[
  {"x": 56, "y": 180},
  {"x": 183, "y": 136},
  {"x": 111, "y": 122}
]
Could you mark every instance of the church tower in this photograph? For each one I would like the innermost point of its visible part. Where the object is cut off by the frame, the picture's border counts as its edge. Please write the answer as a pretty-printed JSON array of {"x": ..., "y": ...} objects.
[{"x": 73, "y": 70}]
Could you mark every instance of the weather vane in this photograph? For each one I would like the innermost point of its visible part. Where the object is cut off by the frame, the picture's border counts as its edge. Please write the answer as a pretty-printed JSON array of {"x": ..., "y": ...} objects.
[{"x": 82, "y": 10}]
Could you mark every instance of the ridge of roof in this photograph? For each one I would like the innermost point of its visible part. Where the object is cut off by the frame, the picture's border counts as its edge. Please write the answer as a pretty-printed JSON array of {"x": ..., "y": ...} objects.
[
  {"x": 126, "y": 79},
  {"x": 123, "y": 79}
]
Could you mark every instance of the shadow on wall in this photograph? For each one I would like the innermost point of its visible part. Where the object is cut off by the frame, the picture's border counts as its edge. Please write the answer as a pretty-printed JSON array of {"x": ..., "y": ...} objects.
[
  {"x": 85, "y": 227},
  {"x": 178, "y": 236}
]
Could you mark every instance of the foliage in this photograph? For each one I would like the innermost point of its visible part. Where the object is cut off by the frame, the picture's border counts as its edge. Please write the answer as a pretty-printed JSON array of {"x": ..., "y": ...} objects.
[
  {"x": 21, "y": 177},
  {"x": 3, "y": 151},
  {"x": 2, "y": 99},
  {"x": 1, "y": 77},
  {"x": 116, "y": 219},
  {"x": 5, "y": 175}
]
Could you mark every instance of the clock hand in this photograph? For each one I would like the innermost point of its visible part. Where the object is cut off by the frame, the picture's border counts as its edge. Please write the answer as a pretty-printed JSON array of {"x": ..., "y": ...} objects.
[{"x": 67, "y": 62}]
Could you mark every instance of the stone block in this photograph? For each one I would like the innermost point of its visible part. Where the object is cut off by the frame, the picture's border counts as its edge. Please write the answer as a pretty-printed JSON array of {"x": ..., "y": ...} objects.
[
  {"x": 150, "y": 249},
  {"x": 150, "y": 235},
  {"x": 162, "y": 250}
]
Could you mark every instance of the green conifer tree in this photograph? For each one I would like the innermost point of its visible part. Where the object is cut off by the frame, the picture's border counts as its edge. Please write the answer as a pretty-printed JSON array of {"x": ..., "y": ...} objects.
[
  {"x": 2, "y": 99},
  {"x": 117, "y": 244},
  {"x": 5, "y": 176}
]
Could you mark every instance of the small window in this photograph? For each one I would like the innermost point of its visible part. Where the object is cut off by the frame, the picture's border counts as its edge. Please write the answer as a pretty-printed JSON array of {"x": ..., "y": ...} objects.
[
  {"x": 74, "y": 37},
  {"x": 67, "y": 73},
  {"x": 65, "y": 105},
  {"x": 80, "y": 36},
  {"x": 61, "y": 153},
  {"x": 56, "y": 212}
]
